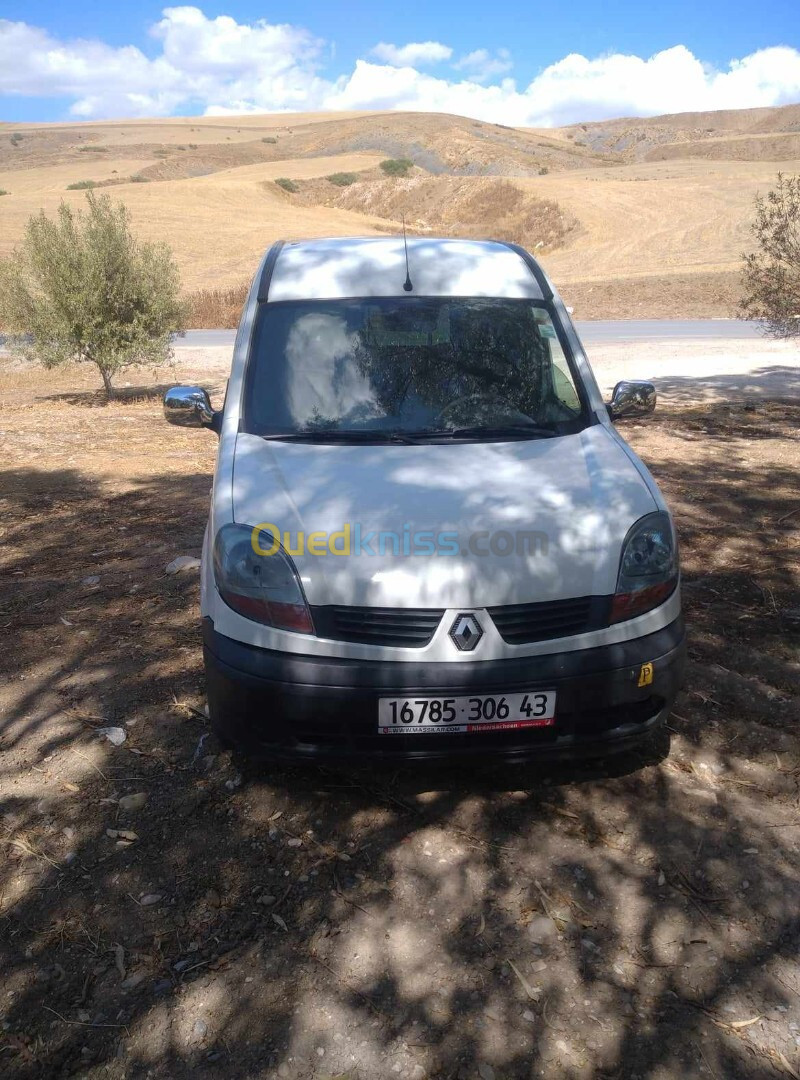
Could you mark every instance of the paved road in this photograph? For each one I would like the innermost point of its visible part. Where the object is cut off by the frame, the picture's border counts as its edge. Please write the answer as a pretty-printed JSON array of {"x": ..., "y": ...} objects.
[
  {"x": 598, "y": 331},
  {"x": 592, "y": 333},
  {"x": 686, "y": 359},
  {"x": 205, "y": 339},
  {"x": 595, "y": 332},
  {"x": 714, "y": 358}
]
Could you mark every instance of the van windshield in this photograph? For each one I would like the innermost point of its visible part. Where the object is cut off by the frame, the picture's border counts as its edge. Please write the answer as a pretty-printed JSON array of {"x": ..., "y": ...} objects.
[{"x": 414, "y": 366}]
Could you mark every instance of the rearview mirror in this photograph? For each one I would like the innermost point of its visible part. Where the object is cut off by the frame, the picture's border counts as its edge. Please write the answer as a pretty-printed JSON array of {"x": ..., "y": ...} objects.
[
  {"x": 632, "y": 399},
  {"x": 190, "y": 406}
]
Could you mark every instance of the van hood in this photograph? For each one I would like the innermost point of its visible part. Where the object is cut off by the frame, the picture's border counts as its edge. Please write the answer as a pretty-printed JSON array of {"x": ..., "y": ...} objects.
[{"x": 510, "y": 523}]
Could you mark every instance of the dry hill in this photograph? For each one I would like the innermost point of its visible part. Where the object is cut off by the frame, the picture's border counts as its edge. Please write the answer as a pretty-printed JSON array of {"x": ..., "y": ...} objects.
[
  {"x": 638, "y": 138},
  {"x": 631, "y": 216}
]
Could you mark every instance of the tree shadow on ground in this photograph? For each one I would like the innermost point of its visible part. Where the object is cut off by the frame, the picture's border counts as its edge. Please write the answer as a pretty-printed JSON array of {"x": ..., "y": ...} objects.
[
  {"x": 97, "y": 399},
  {"x": 587, "y": 921}
]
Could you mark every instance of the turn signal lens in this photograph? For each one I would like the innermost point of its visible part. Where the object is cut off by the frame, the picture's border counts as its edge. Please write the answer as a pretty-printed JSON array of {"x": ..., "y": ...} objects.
[
  {"x": 264, "y": 588},
  {"x": 628, "y": 605}
]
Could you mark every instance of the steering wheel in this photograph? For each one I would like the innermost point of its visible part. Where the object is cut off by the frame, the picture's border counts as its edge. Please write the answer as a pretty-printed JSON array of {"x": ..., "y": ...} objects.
[
  {"x": 466, "y": 399},
  {"x": 499, "y": 415}
]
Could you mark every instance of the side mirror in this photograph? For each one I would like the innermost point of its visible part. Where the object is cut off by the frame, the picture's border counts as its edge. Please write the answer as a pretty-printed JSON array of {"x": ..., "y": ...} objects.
[
  {"x": 632, "y": 399},
  {"x": 190, "y": 406}
]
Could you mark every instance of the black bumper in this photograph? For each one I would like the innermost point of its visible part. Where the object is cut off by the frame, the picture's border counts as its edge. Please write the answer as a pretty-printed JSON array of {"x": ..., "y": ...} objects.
[{"x": 279, "y": 704}]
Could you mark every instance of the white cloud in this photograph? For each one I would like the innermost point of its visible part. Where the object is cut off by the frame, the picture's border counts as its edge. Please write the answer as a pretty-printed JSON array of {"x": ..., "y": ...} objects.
[
  {"x": 577, "y": 88},
  {"x": 373, "y": 86},
  {"x": 670, "y": 81},
  {"x": 482, "y": 66},
  {"x": 32, "y": 63},
  {"x": 218, "y": 65},
  {"x": 415, "y": 54}
]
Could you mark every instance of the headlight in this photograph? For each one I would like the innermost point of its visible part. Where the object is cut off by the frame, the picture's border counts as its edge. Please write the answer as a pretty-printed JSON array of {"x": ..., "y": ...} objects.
[
  {"x": 648, "y": 569},
  {"x": 264, "y": 588}
]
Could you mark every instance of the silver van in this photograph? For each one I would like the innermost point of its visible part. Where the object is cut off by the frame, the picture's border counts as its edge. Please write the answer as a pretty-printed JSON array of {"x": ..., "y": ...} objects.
[{"x": 427, "y": 536}]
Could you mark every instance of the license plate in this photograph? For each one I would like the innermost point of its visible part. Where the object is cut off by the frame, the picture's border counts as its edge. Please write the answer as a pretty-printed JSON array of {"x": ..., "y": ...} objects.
[{"x": 481, "y": 712}]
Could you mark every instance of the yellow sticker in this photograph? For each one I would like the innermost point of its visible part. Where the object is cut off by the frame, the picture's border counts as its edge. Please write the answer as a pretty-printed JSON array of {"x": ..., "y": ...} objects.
[{"x": 646, "y": 675}]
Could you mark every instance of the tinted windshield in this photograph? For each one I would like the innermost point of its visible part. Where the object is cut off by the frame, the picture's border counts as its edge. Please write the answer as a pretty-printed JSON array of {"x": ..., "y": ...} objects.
[{"x": 412, "y": 365}]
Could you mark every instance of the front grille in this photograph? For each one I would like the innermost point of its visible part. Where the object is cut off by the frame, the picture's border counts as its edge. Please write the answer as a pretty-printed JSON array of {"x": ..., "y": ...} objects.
[
  {"x": 520, "y": 624},
  {"x": 410, "y": 628}
]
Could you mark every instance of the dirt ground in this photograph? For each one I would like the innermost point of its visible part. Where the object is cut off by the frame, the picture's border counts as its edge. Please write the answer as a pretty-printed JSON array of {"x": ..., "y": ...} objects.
[{"x": 629, "y": 918}]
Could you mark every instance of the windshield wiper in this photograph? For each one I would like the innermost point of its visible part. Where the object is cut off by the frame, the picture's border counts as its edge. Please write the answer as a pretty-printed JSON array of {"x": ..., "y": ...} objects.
[
  {"x": 510, "y": 431},
  {"x": 343, "y": 436},
  {"x": 415, "y": 438}
]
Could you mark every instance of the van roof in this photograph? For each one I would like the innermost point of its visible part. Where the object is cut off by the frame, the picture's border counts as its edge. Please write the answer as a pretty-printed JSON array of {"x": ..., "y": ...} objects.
[{"x": 340, "y": 267}]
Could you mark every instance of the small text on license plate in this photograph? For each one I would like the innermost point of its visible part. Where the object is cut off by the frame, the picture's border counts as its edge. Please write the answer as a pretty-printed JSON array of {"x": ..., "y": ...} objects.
[{"x": 479, "y": 712}]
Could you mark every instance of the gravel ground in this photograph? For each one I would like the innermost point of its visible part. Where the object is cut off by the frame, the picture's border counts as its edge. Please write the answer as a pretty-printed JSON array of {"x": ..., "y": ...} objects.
[{"x": 691, "y": 371}]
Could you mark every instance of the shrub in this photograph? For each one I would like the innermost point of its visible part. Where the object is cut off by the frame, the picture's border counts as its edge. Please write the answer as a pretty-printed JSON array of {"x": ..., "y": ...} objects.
[
  {"x": 139, "y": 179},
  {"x": 16, "y": 138},
  {"x": 4, "y": 192},
  {"x": 82, "y": 185},
  {"x": 192, "y": 145},
  {"x": 269, "y": 139},
  {"x": 543, "y": 171},
  {"x": 82, "y": 288},
  {"x": 92, "y": 149},
  {"x": 287, "y": 184},
  {"x": 397, "y": 166},
  {"x": 342, "y": 179},
  {"x": 771, "y": 274},
  {"x": 215, "y": 309},
  {"x": 505, "y": 211}
]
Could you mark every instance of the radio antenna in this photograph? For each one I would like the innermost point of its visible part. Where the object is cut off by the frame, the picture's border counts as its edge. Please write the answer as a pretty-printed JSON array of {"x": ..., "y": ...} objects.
[{"x": 407, "y": 286}]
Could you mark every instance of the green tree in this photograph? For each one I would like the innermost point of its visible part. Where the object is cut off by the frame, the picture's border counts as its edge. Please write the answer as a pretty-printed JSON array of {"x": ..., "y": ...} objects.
[
  {"x": 83, "y": 288},
  {"x": 771, "y": 274}
]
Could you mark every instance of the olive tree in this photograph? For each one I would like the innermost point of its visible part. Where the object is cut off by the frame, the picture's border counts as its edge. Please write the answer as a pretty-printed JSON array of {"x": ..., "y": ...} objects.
[
  {"x": 81, "y": 287},
  {"x": 771, "y": 275}
]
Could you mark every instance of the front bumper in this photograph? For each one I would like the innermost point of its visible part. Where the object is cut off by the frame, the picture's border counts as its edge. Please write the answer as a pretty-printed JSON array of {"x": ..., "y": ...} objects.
[{"x": 279, "y": 704}]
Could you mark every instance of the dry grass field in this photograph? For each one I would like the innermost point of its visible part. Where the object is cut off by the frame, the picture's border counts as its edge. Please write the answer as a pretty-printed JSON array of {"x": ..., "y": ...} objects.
[{"x": 631, "y": 217}]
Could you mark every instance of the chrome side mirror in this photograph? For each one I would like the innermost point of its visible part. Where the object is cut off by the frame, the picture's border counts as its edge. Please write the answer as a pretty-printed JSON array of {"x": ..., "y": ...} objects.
[
  {"x": 190, "y": 406},
  {"x": 632, "y": 399}
]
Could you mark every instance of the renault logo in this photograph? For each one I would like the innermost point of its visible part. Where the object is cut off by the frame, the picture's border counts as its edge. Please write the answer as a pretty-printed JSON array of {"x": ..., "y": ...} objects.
[{"x": 465, "y": 633}]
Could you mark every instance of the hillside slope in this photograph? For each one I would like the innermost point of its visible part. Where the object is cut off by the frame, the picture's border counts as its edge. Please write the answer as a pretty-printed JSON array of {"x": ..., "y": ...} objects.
[
  {"x": 217, "y": 225},
  {"x": 686, "y": 134},
  {"x": 645, "y": 216}
]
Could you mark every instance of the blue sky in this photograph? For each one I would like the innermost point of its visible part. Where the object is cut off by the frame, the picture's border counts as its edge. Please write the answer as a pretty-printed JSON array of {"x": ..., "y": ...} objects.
[{"x": 508, "y": 62}]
